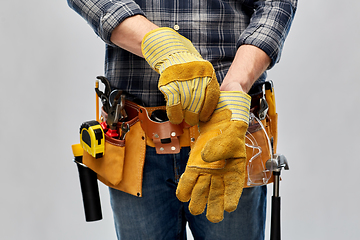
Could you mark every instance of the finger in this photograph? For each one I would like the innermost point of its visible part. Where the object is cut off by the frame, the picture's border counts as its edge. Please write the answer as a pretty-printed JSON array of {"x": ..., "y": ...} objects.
[
  {"x": 191, "y": 118},
  {"x": 173, "y": 102},
  {"x": 185, "y": 91},
  {"x": 229, "y": 144},
  {"x": 234, "y": 184},
  {"x": 219, "y": 147},
  {"x": 175, "y": 113},
  {"x": 197, "y": 94},
  {"x": 199, "y": 195},
  {"x": 186, "y": 185},
  {"x": 215, "y": 208},
  {"x": 171, "y": 93},
  {"x": 194, "y": 98}
]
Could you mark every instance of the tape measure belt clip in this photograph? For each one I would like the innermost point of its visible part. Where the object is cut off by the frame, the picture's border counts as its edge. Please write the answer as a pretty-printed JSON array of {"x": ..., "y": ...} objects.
[{"x": 92, "y": 138}]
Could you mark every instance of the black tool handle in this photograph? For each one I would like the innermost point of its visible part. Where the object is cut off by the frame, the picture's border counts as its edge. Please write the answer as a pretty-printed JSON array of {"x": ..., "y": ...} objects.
[
  {"x": 90, "y": 192},
  {"x": 275, "y": 233}
]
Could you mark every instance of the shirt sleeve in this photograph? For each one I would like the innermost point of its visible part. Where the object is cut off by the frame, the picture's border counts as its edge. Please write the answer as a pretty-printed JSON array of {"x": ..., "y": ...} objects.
[
  {"x": 104, "y": 15},
  {"x": 269, "y": 25}
]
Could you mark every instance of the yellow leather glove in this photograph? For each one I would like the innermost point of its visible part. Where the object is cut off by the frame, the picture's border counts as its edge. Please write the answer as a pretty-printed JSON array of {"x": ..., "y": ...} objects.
[
  {"x": 215, "y": 172},
  {"x": 187, "y": 81}
]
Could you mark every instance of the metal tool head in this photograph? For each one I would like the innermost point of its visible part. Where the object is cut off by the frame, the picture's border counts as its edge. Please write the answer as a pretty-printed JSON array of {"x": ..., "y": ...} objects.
[
  {"x": 123, "y": 114},
  {"x": 118, "y": 97},
  {"x": 104, "y": 96},
  {"x": 264, "y": 108},
  {"x": 107, "y": 89},
  {"x": 115, "y": 96},
  {"x": 277, "y": 163},
  {"x": 115, "y": 107},
  {"x": 113, "y": 116},
  {"x": 105, "y": 103},
  {"x": 125, "y": 128}
]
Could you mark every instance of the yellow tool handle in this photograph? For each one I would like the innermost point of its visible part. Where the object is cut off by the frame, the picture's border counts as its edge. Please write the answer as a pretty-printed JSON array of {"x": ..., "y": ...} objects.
[
  {"x": 97, "y": 101},
  {"x": 77, "y": 150},
  {"x": 270, "y": 98}
]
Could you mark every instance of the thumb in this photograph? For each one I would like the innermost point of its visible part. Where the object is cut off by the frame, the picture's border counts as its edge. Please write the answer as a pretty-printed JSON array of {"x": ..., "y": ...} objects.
[{"x": 229, "y": 144}]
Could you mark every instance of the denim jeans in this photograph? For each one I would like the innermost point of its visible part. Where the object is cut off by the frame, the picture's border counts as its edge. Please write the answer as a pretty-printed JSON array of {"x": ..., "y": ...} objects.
[{"x": 159, "y": 215}]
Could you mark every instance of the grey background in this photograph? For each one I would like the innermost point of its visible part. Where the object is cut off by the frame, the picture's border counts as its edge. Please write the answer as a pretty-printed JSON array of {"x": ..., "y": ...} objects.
[{"x": 49, "y": 61}]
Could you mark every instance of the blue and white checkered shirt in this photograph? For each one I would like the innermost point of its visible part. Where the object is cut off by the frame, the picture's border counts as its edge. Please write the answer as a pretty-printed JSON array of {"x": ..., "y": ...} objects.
[{"x": 215, "y": 27}]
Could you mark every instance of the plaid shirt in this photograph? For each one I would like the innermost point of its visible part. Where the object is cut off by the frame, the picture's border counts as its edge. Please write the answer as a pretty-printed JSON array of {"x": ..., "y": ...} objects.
[{"x": 215, "y": 27}]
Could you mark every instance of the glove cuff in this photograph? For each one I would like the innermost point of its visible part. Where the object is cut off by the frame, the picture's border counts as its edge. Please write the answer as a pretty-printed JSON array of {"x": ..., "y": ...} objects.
[
  {"x": 164, "y": 47},
  {"x": 237, "y": 102}
]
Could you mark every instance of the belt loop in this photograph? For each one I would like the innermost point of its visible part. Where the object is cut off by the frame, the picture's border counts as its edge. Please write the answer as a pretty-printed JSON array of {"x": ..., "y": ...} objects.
[
  {"x": 164, "y": 135},
  {"x": 194, "y": 134}
]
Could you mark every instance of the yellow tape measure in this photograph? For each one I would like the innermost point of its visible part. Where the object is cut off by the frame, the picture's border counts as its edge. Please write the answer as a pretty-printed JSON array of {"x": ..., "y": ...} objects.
[{"x": 92, "y": 138}]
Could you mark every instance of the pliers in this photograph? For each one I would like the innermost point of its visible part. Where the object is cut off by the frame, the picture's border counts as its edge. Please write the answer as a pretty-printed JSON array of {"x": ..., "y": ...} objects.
[
  {"x": 113, "y": 117},
  {"x": 104, "y": 96},
  {"x": 114, "y": 105}
]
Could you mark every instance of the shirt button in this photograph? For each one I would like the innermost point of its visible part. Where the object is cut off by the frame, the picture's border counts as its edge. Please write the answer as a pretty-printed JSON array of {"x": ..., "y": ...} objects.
[{"x": 176, "y": 27}]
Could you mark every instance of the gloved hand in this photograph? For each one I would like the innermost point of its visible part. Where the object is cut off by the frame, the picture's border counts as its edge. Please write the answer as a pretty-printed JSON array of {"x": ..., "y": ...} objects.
[
  {"x": 187, "y": 81},
  {"x": 215, "y": 172}
]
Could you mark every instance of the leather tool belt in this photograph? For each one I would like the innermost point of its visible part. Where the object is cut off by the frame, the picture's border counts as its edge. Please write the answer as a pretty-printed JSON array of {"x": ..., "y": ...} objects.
[{"x": 121, "y": 167}]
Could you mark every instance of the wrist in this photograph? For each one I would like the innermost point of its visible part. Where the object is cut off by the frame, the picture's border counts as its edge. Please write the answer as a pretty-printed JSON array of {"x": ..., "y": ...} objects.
[
  {"x": 248, "y": 65},
  {"x": 237, "y": 102},
  {"x": 129, "y": 34},
  {"x": 231, "y": 86},
  {"x": 238, "y": 79}
]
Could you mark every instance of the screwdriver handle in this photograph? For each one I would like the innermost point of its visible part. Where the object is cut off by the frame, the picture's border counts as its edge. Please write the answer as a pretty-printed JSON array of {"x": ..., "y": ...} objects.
[{"x": 104, "y": 126}]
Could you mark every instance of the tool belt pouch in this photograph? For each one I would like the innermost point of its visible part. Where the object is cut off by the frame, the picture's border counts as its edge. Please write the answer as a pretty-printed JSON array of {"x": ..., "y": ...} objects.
[
  {"x": 110, "y": 166},
  {"x": 122, "y": 165},
  {"x": 258, "y": 152},
  {"x": 261, "y": 140}
]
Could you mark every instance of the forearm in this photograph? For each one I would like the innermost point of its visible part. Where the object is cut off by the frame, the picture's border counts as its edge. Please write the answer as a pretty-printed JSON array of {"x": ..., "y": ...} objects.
[
  {"x": 260, "y": 44},
  {"x": 248, "y": 65},
  {"x": 129, "y": 34},
  {"x": 269, "y": 25},
  {"x": 104, "y": 15}
]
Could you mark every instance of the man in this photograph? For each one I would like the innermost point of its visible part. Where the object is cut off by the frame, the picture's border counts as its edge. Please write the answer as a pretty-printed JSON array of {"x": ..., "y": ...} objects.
[{"x": 241, "y": 39}]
